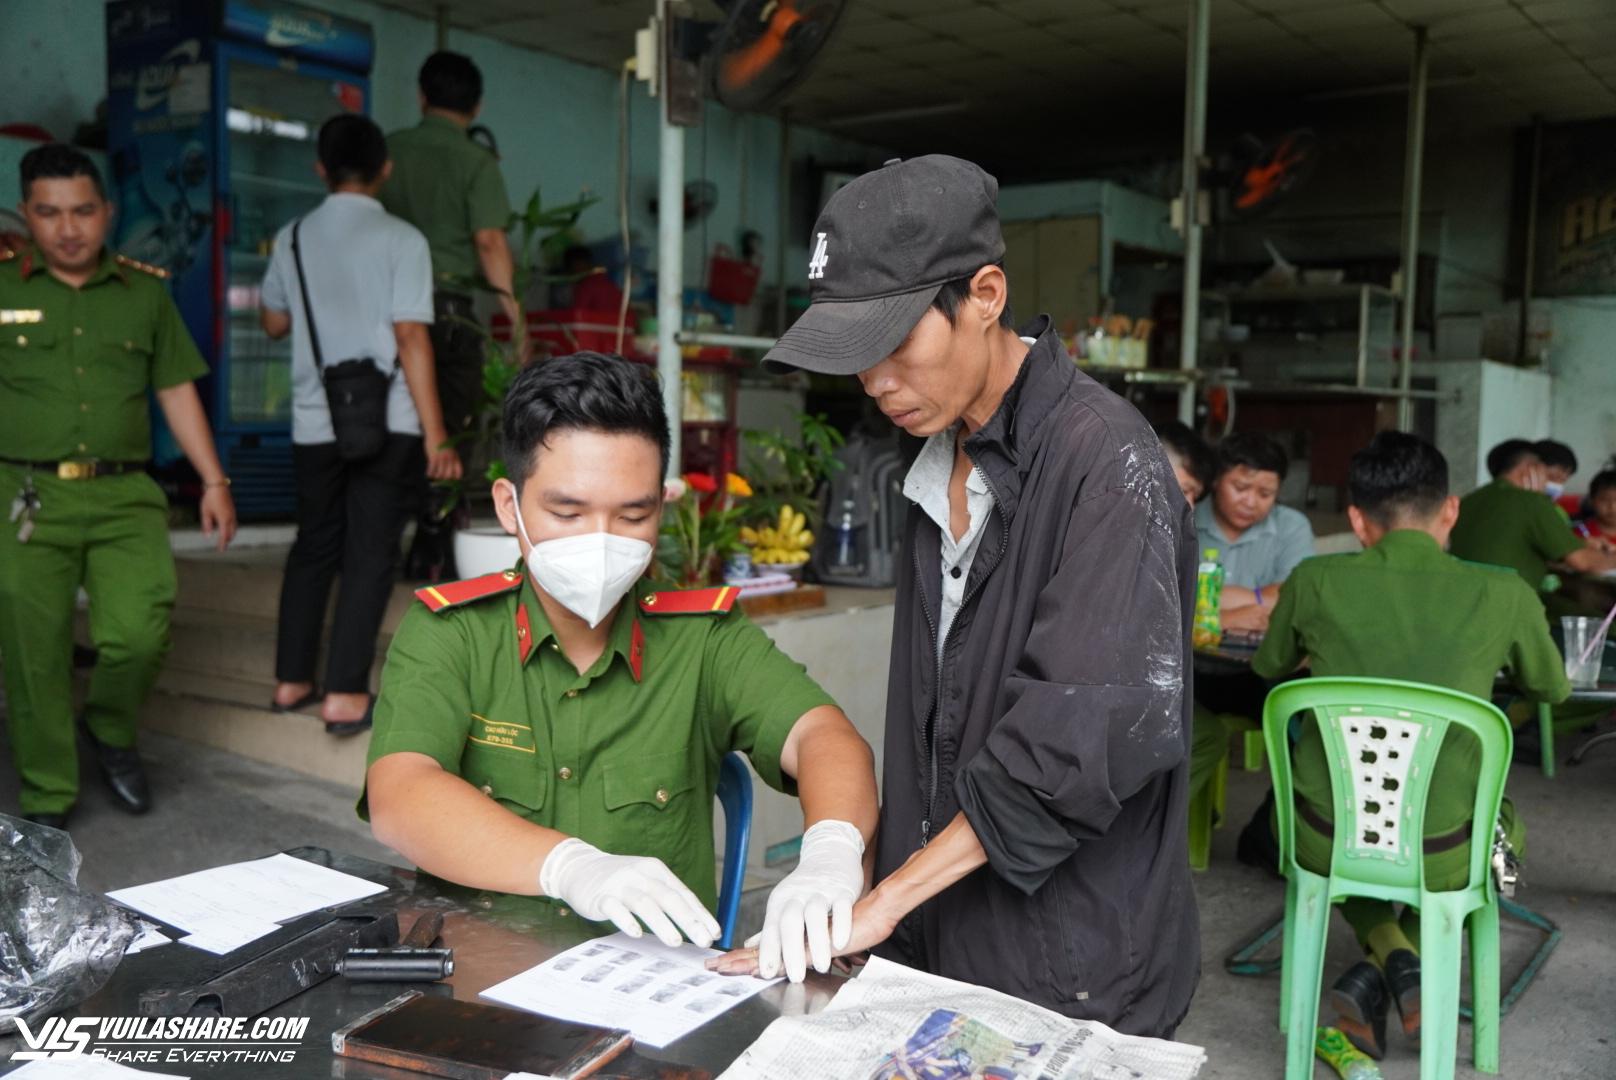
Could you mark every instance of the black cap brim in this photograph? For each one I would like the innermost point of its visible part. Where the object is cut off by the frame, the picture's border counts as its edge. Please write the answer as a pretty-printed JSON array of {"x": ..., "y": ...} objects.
[{"x": 845, "y": 337}]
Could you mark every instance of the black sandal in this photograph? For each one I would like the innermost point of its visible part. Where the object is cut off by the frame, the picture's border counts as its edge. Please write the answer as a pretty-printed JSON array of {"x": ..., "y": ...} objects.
[
  {"x": 352, "y": 727},
  {"x": 301, "y": 703}
]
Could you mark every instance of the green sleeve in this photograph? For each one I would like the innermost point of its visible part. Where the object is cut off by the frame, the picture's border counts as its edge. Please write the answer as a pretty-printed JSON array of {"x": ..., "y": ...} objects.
[
  {"x": 1535, "y": 663},
  {"x": 1281, "y": 649},
  {"x": 1548, "y": 531},
  {"x": 487, "y": 205},
  {"x": 425, "y": 702},
  {"x": 754, "y": 695},
  {"x": 175, "y": 358}
]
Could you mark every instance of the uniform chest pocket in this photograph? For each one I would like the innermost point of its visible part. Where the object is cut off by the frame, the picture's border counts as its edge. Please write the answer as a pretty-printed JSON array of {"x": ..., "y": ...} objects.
[
  {"x": 126, "y": 363},
  {"x": 500, "y": 760},
  {"x": 28, "y": 354},
  {"x": 650, "y": 791}
]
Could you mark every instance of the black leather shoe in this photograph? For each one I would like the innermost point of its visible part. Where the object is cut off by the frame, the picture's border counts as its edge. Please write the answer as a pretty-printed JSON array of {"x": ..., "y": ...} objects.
[
  {"x": 125, "y": 776},
  {"x": 1361, "y": 1004},
  {"x": 50, "y": 821},
  {"x": 1403, "y": 980},
  {"x": 1257, "y": 846}
]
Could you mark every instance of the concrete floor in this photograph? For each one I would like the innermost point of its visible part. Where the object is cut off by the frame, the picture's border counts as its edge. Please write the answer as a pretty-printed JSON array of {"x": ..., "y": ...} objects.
[{"x": 213, "y": 807}]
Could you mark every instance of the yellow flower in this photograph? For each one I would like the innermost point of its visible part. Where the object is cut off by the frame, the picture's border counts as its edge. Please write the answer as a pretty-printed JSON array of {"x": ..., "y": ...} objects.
[{"x": 736, "y": 484}]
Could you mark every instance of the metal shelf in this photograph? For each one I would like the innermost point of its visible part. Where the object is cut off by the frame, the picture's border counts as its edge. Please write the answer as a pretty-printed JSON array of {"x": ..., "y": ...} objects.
[{"x": 275, "y": 183}]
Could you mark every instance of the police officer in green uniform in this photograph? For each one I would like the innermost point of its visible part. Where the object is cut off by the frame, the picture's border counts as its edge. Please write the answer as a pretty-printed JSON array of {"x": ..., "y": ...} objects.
[
  {"x": 1512, "y": 522},
  {"x": 557, "y": 731},
  {"x": 451, "y": 189},
  {"x": 1402, "y": 609},
  {"x": 84, "y": 334}
]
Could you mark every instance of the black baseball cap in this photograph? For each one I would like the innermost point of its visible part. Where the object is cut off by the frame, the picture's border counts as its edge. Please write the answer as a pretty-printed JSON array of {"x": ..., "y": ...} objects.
[{"x": 882, "y": 248}]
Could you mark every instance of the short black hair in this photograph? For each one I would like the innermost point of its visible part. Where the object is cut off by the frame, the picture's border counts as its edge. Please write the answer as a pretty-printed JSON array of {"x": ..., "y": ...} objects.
[
  {"x": 449, "y": 80},
  {"x": 1555, "y": 455},
  {"x": 57, "y": 161},
  {"x": 1508, "y": 454},
  {"x": 1254, "y": 451},
  {"x": 587, "y": 391},
  {"x": 1604, "y": 479},
  {"x": 352, "y": 149},
  {"x": 953, "y": 294},
  {"x": 1397, "y": 477},
  {"x": 1189, "y": 448}
]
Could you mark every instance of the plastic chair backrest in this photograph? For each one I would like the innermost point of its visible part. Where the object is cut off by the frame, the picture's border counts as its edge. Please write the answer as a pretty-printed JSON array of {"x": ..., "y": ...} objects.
[
  {"x": 1381, "y": 739},
  {"x": 735, "y": 796}
]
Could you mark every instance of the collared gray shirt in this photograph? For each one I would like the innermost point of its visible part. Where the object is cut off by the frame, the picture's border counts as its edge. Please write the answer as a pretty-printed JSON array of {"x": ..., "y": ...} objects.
[{"x": 1264, "y": 554}]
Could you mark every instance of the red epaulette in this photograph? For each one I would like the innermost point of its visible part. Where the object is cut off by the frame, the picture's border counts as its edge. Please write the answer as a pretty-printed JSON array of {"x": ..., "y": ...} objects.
[
  {"x": 691, "y": 601},
  {"x": 452, "y": 594}
]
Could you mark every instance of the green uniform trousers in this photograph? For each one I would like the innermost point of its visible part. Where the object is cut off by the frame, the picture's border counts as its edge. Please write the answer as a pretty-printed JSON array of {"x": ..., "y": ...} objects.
[{"x": 110, "y": 536}]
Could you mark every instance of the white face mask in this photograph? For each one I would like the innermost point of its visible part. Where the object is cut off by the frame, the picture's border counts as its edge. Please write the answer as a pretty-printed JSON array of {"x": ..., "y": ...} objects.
[
  {"x": 586, "y": 574},
  {"x": 1553, "y": 489}
]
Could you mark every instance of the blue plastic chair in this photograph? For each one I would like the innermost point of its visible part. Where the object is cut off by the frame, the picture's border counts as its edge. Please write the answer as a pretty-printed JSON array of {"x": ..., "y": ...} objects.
[{"x": 735, "y": 796}]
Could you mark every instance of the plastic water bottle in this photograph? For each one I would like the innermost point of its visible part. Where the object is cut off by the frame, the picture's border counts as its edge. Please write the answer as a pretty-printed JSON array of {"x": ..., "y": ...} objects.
[
  {"x": 1208, "y": 627},
  {"x": 1334, "y": 1050},
  {"x": 845, "y": 556}
]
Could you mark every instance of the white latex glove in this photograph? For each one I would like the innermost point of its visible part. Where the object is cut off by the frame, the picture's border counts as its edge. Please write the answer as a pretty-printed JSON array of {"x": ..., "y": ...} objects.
[
  {"x": 599, "y": 885},
  {"x": 813, "y": 903}
]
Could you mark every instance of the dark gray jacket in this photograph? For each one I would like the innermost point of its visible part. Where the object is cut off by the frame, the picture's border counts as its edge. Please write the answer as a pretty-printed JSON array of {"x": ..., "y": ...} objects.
[{"x": 1060, "y": 720}]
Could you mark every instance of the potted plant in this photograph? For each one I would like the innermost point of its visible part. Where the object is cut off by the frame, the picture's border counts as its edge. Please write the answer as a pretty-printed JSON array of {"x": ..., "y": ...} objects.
[
  {"x": 539, "y": 236},
  {"x": 701, "y": 527},
  {"x": 790, "y": 474}
]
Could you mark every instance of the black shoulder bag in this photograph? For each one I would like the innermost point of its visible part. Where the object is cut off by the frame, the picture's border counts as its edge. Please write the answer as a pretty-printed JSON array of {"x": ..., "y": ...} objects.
[{"x": 356, "y": 390}]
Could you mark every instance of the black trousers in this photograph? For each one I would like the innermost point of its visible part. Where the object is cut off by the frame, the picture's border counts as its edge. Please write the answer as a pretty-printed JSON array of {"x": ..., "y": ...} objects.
[
  {"x": 350, "y": 516},
  {"x": 457, "y": 352}
]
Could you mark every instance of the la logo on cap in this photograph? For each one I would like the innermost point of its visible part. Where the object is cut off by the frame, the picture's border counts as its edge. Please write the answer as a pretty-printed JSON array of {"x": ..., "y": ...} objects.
[{"x": 816, "y": 265}]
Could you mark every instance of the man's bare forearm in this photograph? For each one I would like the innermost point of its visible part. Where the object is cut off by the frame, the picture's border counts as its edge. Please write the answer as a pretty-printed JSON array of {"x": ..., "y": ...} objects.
[
  {"x": 182, "y": 408},
  {"x": 954, "y": 853},
  {"x": 835, "y": 774},
  {"x": 452, "y": 830}
]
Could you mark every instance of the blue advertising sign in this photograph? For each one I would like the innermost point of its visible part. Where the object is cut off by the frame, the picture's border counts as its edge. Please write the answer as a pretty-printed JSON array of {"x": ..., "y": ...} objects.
[{"x": 301, "y": 31}]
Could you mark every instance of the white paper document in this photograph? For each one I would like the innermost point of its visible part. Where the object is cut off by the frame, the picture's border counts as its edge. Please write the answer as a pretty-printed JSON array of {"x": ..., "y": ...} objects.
[
  {"x": 636, "y": 984},
  {"x": 228, "y": 906},
  {"x": 84, "y": 1067},
  {"x": 149, "y": 938},
  {"x": 895, "y": 1023}
]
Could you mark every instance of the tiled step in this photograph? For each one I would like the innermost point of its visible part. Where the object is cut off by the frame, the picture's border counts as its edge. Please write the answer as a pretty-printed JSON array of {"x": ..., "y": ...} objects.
[{"x": 234, "y": 715}]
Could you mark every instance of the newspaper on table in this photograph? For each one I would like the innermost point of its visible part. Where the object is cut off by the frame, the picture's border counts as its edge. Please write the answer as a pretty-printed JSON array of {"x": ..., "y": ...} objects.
[{"x": 895, "y": 1023}]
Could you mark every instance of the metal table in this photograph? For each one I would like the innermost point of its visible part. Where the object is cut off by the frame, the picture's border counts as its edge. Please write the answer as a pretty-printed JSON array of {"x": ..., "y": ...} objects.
[{"x": 493, "y": 936}]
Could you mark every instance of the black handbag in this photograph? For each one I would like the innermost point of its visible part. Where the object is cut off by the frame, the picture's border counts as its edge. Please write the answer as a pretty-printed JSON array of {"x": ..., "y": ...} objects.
[{"x": 355, "y": 390}]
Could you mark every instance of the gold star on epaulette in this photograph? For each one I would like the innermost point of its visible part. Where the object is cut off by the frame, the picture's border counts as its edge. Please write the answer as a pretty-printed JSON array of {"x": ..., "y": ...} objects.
[
  {"x": 136, "y": 264},
  {"x": 6, "y": 254}
]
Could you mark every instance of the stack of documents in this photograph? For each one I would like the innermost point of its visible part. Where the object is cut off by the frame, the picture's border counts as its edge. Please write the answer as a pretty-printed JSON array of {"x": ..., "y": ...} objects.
[{"x": 226, "y": 907}]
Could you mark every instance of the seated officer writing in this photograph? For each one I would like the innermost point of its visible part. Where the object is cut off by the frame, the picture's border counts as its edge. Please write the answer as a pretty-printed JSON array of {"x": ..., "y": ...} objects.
[
  {"x": 558, "y": 732},
  {"x": 1401, "y": 609}
]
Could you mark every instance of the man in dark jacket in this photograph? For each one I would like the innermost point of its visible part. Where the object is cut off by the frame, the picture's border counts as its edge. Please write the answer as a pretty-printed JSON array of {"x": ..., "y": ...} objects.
[{"x": 1032, "y": 836}]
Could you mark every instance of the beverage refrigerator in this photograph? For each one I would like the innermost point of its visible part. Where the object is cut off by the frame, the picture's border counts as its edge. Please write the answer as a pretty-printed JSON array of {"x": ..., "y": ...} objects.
[{"x": 213, "y": 109}]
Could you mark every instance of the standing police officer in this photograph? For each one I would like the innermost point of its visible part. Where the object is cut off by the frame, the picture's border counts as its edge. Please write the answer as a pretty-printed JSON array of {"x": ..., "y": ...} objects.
[
  {"x": 451, "y": 189},
  {"x": 83, "y": 335}
]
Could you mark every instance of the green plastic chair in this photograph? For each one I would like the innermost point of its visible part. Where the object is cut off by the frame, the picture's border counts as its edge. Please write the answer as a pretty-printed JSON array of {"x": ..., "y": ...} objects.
[
  {"x": 1206, "y": 814},
  {"x": 1381, "y": 739}
]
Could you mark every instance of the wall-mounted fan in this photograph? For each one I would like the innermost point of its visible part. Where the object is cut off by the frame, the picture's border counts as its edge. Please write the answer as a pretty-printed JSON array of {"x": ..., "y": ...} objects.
[{"x": 1255, "y": 175}]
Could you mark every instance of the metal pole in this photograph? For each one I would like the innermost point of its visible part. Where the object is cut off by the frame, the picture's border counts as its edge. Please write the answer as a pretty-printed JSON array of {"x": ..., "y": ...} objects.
[
  {"x": 670, "y": 258},
  {"x": 1529, "y": 260},
  {"x": 782, "y": 226},
  {"x": 1195, "y": 66},
  {"x": 1413, "y": 166}
]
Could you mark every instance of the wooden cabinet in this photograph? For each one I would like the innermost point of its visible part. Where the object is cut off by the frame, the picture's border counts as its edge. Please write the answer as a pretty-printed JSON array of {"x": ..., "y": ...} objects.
[{"x": 1054, "y": 268}]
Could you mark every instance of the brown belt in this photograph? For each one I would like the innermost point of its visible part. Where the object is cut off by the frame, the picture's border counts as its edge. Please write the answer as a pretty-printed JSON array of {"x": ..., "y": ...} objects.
[
  {"x": 1433, "y": 844},
  {"x": 83, "y": 469}
]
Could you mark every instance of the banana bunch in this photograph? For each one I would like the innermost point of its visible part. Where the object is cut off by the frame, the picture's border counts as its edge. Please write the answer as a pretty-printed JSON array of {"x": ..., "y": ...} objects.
[{"x": 787, "y": 542}]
